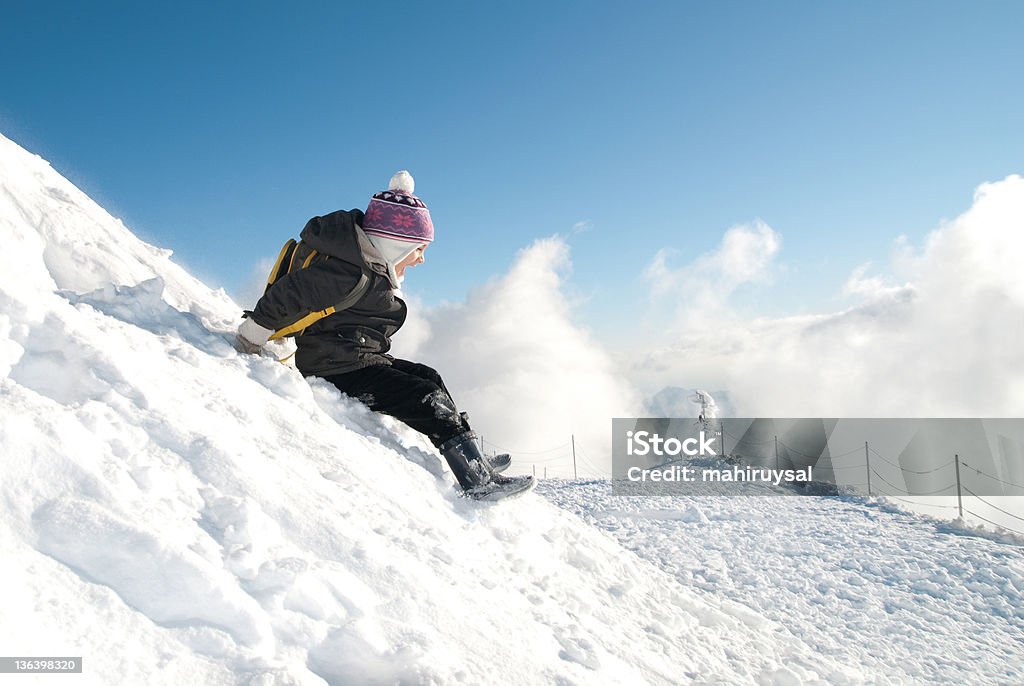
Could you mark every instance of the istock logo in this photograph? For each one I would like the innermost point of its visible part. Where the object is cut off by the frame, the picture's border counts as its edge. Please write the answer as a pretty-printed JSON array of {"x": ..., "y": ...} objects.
[{"x": 646, "y": 443}]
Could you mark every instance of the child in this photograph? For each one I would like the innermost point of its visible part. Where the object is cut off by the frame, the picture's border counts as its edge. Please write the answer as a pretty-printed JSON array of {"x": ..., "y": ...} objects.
[{"x": 360, "y": 262}]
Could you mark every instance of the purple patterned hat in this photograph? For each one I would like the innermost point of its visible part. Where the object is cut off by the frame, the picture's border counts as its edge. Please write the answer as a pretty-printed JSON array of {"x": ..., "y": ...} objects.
[{"x": 398, "y": 214}]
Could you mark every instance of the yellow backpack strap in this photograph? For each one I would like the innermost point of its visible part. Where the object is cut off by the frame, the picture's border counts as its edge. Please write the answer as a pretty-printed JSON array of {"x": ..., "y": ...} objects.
[
  {"x": 287, "y": 252},
  {"x": 313, "y": 317},
  {"x": 306, "y": 321}
]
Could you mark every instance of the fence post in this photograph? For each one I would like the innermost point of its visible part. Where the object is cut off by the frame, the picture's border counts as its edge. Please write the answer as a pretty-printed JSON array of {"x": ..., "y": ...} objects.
[
  {"x": 867, "y": 461},
  {"x": 535, "y": 471},
  {"x": 959, "y": 498},
  {"x": 776, "y": 453},
  {"x": 545, "y": 472},
  {"x": 574, "y": 476}
]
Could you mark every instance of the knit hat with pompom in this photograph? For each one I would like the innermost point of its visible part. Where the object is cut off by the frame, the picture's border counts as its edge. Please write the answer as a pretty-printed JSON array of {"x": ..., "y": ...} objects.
[
  {"x": 397, "y": 213},
  {"x": 396, "y": 221}
]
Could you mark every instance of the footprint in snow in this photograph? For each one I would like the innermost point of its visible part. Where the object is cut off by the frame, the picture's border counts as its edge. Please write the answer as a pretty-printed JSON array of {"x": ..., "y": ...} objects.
[{"x": 577, "y": 649}]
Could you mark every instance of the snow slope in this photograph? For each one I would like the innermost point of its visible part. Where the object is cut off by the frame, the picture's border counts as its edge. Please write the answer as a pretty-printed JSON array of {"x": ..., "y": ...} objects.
[{"x": 174, "y": 512}]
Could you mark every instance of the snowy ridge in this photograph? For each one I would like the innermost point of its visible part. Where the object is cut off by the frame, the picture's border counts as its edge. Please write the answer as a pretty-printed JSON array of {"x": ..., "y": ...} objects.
[{"x": 177, "y": 513}]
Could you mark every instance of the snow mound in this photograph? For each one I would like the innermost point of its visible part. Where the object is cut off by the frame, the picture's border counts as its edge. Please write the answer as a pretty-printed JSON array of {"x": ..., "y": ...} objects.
[{"x": 174, "y": 512}]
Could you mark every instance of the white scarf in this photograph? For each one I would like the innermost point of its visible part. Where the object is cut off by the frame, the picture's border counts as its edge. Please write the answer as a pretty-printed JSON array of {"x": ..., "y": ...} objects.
[{"x": 393, "y": 251}]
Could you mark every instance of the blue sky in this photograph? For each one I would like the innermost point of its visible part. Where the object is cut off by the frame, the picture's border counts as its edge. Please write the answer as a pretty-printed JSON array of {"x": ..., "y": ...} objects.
[{"x": 217, "y": 129}]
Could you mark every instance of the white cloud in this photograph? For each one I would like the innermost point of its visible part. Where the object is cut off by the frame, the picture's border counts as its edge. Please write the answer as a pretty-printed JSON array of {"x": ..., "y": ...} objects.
[
  {"x": 945, "y": 343},
  {"x": 745, "y": 256},
  {"x": 529, "y": 376},
  {"x": 581, "y": 227},
  {"x": 870, "y": 287}
]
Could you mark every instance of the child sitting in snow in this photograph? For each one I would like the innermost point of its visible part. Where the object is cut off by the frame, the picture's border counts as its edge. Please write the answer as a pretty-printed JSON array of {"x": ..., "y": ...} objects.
[{"x": 367, "y": 256}]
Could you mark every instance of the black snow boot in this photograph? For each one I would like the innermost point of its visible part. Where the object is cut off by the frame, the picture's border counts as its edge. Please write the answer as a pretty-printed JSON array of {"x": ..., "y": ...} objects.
[
  {"x": 475, "y": 476},
  {"x": 497, "y": 463}
]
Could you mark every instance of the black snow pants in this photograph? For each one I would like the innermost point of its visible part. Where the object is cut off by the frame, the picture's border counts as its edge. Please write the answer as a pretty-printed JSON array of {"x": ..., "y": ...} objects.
[{"x": 408, "y": 391}]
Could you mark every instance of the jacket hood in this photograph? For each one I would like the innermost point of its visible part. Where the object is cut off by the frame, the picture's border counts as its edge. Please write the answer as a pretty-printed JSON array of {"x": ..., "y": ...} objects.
[{"x": 340, "y": 234}]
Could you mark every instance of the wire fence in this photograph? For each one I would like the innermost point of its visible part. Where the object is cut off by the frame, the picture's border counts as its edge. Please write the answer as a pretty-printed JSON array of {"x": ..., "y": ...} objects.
[
  {"x": 955, "y": 487},
  {"x": 564, "y": 461},
  {"x": 570, "y": 460}
]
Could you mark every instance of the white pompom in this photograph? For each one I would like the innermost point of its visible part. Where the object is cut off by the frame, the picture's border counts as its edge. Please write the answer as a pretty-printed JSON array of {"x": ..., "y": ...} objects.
[{"x": 402, "y": 181}]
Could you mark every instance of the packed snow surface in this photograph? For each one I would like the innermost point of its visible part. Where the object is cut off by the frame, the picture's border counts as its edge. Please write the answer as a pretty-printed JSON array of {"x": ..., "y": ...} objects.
[
  {"x": 177, "y": 513},
  {"x": 905, "y": 599}
]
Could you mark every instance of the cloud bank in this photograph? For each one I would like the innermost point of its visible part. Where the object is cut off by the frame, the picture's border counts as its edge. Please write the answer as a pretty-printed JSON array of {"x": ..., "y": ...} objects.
[{"x": 938, "y": 335}]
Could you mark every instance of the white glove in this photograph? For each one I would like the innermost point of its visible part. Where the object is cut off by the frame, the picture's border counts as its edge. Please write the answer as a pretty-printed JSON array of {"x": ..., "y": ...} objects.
[{"x": 251, "y": 336}]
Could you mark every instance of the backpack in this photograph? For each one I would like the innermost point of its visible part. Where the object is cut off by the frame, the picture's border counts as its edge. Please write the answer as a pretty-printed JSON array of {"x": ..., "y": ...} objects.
[{"x": 296, "y": 255}]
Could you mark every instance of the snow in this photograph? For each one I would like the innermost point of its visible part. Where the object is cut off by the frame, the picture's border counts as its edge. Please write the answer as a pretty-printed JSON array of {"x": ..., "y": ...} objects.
[
  {"x": 906, "y": 599},
  {"x": 177, "y": 513}
]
